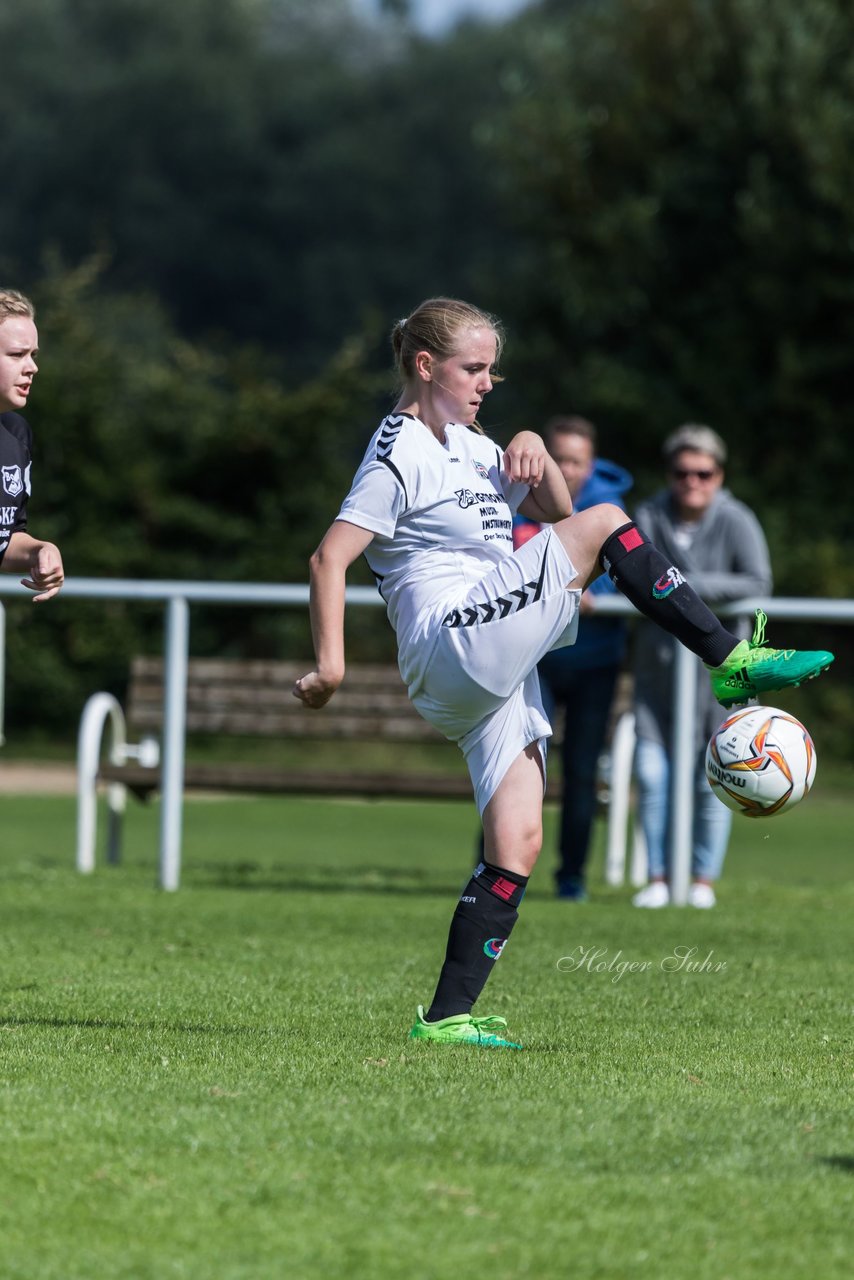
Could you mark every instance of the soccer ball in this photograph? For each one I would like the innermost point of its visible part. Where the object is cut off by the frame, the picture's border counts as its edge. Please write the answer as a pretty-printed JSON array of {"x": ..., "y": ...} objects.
[{"x": 760, "y": 761}]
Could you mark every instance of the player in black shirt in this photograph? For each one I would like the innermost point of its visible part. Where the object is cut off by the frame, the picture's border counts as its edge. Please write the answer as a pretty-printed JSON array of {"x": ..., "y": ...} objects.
[{"x": 19, "y": 551}]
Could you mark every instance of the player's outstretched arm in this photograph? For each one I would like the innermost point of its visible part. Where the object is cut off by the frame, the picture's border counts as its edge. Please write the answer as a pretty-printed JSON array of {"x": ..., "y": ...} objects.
[
  {"x": 40, "y": 560},
  {"x": 343, "y": 543}
]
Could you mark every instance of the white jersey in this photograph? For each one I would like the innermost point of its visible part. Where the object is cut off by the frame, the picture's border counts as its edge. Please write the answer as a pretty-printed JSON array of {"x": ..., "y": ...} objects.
[
  {"x": 473, "y": 618},
  {"x": 442, "y": 517}
]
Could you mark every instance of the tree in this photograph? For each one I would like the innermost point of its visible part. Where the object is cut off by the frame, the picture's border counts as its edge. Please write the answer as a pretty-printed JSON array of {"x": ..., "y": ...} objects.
[
  {"x": 679, "y": 171},
  {"x": 678, "y": 167},
  {"x": 271, "y": 170},
  {"x": 162, "y": 458}
]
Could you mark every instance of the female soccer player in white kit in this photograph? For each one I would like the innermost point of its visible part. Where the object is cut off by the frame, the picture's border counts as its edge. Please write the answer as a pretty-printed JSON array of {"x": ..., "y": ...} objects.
[{"x": 431, "y": 508}]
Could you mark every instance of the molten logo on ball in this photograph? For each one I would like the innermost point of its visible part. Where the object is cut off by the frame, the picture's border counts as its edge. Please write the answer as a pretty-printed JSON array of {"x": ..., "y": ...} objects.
[{"x": 760, "y": 761}]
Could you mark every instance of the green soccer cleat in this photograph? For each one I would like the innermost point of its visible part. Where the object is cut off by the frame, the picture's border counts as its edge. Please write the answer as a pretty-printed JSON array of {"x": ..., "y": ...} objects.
[
  {"x": 462, "y": 1029},
  {"x": 752, "y": 668}
]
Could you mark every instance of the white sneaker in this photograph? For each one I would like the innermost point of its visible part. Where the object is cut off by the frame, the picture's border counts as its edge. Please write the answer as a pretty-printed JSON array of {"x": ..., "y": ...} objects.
[
  {"x": 701, "y": 895},
  {"x": 655, "y": 894}
]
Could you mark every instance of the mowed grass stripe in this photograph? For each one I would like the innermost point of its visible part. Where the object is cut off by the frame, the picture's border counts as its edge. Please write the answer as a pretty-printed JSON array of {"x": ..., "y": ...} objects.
[{"x": 217, "y": 1083}]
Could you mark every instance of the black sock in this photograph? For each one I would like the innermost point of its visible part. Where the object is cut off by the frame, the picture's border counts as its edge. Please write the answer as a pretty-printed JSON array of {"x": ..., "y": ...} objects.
[
  {"x": 481, "y": 925},
  {"x": 658, "y": 590}
]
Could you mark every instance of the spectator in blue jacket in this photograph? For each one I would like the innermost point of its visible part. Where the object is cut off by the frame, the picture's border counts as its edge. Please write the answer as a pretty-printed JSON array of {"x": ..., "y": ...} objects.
[{"x": 582, "y": 677}]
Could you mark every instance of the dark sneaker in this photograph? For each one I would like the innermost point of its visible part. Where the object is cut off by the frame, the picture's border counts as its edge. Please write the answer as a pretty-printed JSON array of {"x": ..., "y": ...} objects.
[
  {"x": 753, "y": 668},
  {"x": 572, "y": 889}
]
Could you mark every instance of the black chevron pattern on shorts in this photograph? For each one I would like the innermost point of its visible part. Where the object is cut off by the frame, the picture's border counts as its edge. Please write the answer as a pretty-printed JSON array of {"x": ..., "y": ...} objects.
[{"x": 473, "y": 615}]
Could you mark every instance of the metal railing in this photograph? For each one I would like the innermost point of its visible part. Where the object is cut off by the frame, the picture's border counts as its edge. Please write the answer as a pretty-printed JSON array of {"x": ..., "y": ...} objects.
[{"x": 177, "y": 596}]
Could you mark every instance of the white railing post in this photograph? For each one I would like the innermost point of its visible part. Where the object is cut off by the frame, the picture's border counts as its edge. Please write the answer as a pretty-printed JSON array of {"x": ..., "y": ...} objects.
[
  {"x": 99, "y": 708},
  {"x": 683, "y": 758},
  {"x": 639, "y": 873},
  {"x": 622, "y": 757},
  {"x": 174, "y": 725}
]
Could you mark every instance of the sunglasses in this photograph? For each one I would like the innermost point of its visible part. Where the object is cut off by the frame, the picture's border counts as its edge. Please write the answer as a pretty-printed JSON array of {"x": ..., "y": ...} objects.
[{"x": 685, "y": 473}]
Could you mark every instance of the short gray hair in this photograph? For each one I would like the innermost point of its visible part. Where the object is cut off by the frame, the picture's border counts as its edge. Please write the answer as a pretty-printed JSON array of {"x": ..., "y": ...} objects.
[{"x": 699, "y": 438}]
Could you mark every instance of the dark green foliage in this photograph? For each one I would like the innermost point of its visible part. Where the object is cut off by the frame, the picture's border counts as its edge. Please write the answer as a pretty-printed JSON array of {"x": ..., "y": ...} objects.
[
  {"x": 158, "y": 458},
  {"x": 676, "y": 171},
  {"x": 268, "y": 168},
  {"x": 675, "y": 167}
]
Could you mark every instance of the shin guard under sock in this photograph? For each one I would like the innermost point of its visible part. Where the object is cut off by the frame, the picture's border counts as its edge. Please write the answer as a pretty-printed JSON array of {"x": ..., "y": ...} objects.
[
  {"x": 639, "y": 570},
  {"x": 481, "y": 925}
]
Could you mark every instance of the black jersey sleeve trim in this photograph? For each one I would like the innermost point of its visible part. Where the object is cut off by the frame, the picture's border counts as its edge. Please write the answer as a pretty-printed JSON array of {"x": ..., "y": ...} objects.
[
  {"x": 379, "y": 578},
  {"x": 393, "y": 469}
]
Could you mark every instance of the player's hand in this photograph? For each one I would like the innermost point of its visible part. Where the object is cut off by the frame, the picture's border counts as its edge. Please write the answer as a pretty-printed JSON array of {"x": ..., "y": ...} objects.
[
  {"x": 587, "y": 603},
  {"x": 314, "y": 690},
  {"x": 525, "y": 458},
  {"x": 46, "y": 572}
]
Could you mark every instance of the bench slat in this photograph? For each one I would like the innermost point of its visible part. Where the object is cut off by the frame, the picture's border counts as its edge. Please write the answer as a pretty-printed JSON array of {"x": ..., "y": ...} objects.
[
  {"x": 254, "y": 698},
  {"x": 217, "y": 777},
  {"x": 266, "y": 671},
  {"x": 275, "y": 781},
  {"x": 219, "y": 695},
  {"x": 311, "y": 725}
]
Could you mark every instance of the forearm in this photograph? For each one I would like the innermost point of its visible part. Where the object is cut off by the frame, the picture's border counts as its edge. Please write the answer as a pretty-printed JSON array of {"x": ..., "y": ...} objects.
[
  {"x": 721, "y": 587},
  {"x": 40, "y": 561},
  {"x": 550, "y": 501},
  {"x": 326, "y": 608},
  {"x": 328, "y": 567},
  {"x": 20, "y": 552},
  {"x": 551, "y": 494}
]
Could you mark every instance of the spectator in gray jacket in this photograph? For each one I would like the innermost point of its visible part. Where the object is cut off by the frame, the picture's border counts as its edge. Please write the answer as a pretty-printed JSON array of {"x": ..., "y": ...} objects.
[{"x": 718, "y": 544}]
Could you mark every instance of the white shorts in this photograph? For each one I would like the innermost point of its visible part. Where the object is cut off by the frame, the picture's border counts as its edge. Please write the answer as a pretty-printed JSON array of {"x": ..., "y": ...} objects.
[{"x": 480, "y": 688}]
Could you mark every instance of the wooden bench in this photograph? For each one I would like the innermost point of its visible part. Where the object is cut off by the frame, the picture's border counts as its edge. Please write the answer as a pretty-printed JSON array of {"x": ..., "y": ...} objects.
[{"x": 232, "y": 698}]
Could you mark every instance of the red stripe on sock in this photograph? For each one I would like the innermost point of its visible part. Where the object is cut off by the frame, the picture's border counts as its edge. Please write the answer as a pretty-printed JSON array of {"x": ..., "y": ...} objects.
[
  {"x": 631, "y": 539},
  {"x": 504, "y": 888}
]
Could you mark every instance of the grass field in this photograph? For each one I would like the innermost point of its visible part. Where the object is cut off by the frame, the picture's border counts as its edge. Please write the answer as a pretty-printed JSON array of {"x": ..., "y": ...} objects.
[{"x": 217, "y": 1083}]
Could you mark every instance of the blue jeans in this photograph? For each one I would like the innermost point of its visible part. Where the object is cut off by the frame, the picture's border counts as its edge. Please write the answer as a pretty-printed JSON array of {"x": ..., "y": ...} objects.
[
  {"x": 712, "y": 819},
  {"x": 587, "y": 698}
]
